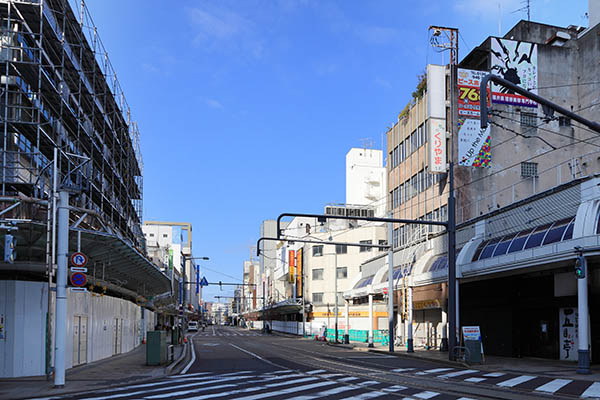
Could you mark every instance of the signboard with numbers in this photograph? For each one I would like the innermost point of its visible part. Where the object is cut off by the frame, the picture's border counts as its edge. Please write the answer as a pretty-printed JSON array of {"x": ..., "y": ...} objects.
[{"x": 468, "y": 92}]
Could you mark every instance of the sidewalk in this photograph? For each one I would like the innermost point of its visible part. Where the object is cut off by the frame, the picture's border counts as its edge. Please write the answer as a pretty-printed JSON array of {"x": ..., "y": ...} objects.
[
  {"x": 531, "y": 366},
  {"x": 116, "y": 370}
]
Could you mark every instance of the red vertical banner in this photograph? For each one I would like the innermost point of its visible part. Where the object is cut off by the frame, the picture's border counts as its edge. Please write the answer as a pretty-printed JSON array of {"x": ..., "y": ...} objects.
[
  {"x": 292, "y": 262},
  {"x": 299, "y": 273}
]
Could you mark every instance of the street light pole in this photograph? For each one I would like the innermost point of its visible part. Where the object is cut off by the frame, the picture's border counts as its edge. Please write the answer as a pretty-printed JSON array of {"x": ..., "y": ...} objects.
[{"x": 335, "y": 308}]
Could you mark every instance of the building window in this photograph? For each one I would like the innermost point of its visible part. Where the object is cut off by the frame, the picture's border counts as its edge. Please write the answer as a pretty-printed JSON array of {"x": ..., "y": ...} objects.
[
  {"x": 340, "y": 298},
  {"x": 342, "y": 272},
  {"x": 317, "y": 298},
  {"x": 317, "y": 251},
  {"x": 165, "y": 235},
  {"x": 528, "y": 121},
  {"x": 152, "y": 235},
  {"x": 364, "y": 249},
  {"x": 381, "y": 243},
  {"x": 341, "y": 249},
  {"x": 564, "y": 121},
  {"x": 317, "y": 274},
  {"x": 529, "y": 169}
]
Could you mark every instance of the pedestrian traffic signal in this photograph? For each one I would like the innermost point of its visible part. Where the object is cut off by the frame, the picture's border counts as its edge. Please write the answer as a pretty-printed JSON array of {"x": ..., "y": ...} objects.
[
  {"x": 10, "y": 248},
  {"x": 580, "y": 266}
]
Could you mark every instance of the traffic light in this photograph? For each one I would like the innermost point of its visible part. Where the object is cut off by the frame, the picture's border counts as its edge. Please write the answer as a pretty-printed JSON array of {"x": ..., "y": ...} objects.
[
  {"x": 10, "y": 248},
  {"x": 580, "y": 267}
]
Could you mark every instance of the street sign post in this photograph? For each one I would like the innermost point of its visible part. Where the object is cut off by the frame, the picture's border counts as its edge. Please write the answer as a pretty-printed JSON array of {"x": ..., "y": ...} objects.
[
  {"x": 79, "y": 259},
  {"x": 203, "y": 282},
  {"x": 78, "y": 279}
]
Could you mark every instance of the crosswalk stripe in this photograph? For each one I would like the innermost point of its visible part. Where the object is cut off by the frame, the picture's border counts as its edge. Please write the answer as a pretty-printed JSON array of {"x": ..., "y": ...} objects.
[
  {"x": 368, "y": 395},
  {"x": 195, "y": 385},
  {"x": 516, "y": 381},
  {"x": 475, "y": 380},
  {"x": 494, "y": 374},
  {"x": 184, "y": 392},
  {"x": 434, "y": 371},
  {"x": 403, "y": 369},
  {"x": 367, "y": 383},
  {"x": 592, "y": 391},
  {"x": 348, "y": 379},
  {"x": 458, "y": 373},
  {"x": 553, "y": 385},
  {"x": 324, "y": 393},
  {"x": 329, "y": 376},
  {"x": 395, "y": 388},
  {"x": 288, "y": 390},
  {"x": 316, "y": 371},
  {"x": 425, "y": 395}
]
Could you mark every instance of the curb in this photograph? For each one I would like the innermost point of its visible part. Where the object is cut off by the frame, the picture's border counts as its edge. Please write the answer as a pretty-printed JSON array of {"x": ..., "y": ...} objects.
[
  {"x": 416, "y": 357},
  {"x": 169, "y": 369}
]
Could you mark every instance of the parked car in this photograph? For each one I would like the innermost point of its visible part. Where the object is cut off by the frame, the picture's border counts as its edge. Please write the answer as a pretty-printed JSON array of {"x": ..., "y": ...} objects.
[{"x": 193, "y": 326}]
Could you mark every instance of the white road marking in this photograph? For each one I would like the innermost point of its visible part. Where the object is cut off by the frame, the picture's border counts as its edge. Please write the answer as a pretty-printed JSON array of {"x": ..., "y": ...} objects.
[
  {"x": 288, "y": 390},
  {"x": 368, "y": 395},
  {"x": 329, "y": 376},
  {"x": 395, "y": 388},
  {"x": 494, "y": 374},
  {"x": 403, "y": 369},
  {"x": 348, "y": 379},
  {"x": 316, "y": 371},
  {"x": 187, "y": 367},
  {"x": 367, "y": 383},
  {"x": 190, "y": 375},
  {"x": 553, "y": 385},
  {"x": 458, "y": 373},
  {"x": 324, "y": 393},
  {"x": 592, "y": 391},
  {"x": 515, "y": 381},
  {"x": 434, "y": 371},
  {"x": 254, "y": 355},
  {"x": 425, "y": 395},
  {"x": 475, "y": 380}
]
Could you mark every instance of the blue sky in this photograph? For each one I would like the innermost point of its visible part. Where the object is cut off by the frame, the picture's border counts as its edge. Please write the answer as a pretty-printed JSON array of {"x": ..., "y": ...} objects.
[{"x": 247, "y": 108}]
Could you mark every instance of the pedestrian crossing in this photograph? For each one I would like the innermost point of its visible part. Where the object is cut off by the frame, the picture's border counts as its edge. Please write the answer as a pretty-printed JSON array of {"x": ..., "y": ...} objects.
[
  {"x": 227, "y": 333},
  {"x": 249, "y": 385},
  {"x": 530, "y": 383}
]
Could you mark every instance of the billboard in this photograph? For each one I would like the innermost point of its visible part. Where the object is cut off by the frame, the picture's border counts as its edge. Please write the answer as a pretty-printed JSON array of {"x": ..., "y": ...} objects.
[
  {"x": 468, "y": 92},
  {"x": 515, "y": 61},
  {"x": 437, "y": 145},
  {"x": 473, "y": 144},
  {"x": 292, "y": 265}
]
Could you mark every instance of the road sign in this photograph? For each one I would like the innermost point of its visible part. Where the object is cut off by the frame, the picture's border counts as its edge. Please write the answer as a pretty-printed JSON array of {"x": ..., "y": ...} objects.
[
  {"x": 78, "y": 279},
  {"x": 78, "y": 269},
  {"x": 203, "y": 282},
  {"x": 78, "y": 289},
  {"x": 79, "y": 259},
  {"x": 385, "y": 290}
]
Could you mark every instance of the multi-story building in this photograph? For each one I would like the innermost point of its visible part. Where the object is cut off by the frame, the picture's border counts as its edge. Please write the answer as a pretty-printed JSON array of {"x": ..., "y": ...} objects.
[
  {"x": 66, "y": 127},
  {"x": 366, "y": 181},
  {"x": 526, "y": 196}
]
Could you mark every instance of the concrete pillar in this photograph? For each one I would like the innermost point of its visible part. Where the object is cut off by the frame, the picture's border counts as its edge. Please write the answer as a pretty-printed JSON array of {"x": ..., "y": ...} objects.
[
  {"x": 409, "y": 334},
  {"x": 61, "y": 288},
  {"x": 347, "y": 334},
  {"x": 583, "y": 348},
  {"x": 370, "y": 320},
  {"x": 444, "y": 344}
]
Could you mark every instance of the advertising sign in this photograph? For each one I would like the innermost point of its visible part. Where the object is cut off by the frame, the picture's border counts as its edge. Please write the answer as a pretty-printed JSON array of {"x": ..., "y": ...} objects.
[
  {"x": 292, "y": 263},
  {"x": 567, "y": 322},
  {"x": 437, "y": 145},
  {"x": 299, "y": 273},
  {"x": 471, "y": 333},
  {"x": 515, "y": 61},
  {"x": 468, "y": 92},
  {"x": 473, "y": 144}
]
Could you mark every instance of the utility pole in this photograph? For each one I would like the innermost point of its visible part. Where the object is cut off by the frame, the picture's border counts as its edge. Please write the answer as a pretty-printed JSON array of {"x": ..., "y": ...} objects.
[
  {"x": 391, "y": 285},
  {"x": 61, "y": 288}
]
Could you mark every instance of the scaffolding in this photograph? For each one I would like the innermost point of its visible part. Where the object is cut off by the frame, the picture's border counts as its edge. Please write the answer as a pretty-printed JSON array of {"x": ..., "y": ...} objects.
[{"x": 59, "y": 90}]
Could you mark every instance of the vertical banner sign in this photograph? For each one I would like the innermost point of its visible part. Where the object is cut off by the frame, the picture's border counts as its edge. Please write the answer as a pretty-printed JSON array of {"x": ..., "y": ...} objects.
[
  {"x": 292, "y": 263},
  {"x": 568, "y": 343},
  {"x": 516, "y": 62},
  {"x": 299, "y": 273},
  {"x": 437, "y": 145},
  {"x": 473, "y": 143},
  {"x": 197, "y": 279},
  {"x": 170, "y": 258}
]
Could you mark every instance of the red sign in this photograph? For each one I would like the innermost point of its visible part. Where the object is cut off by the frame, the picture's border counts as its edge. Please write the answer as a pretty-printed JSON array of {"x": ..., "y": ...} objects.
[
  {"x": 385, "y": 290},
  {"x": 79, "y": 259},
  {"x": 78, "y": 279}
]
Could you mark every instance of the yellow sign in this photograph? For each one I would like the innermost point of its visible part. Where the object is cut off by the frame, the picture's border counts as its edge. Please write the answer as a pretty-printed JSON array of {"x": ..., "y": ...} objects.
[{"x": 426, "y": 304}]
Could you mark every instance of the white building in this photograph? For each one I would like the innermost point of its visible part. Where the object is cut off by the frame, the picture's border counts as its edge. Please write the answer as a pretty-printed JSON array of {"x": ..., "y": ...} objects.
[{"x": 366, "y": 179}]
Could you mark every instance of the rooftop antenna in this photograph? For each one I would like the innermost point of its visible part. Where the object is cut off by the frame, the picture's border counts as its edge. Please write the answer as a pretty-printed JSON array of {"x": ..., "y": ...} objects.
[
  {"x": 526, "y": 7},
  {"x": 367, "y": 143}
]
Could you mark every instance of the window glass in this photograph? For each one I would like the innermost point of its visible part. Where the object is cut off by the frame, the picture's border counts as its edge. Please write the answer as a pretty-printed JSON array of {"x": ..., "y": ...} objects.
[
  {"x": 535, "y": 239},
  {"x": 317, "y": 251},
  {"x": 502, "y": 247},
  {"x": 557, "y": 231},
  {"x": 364, "y": 282},
  {"x": 317, "y": 297},
  {"x": 381, "y": 243},
  {"x": 518, "y": 242},
  {"x": 488, "y": 250},
  {"x": 317, "y": 274},
  {"x": 341, "y": 248},
  {"x": 364, "y": 249},
  {"x": 342, "y": 272}
]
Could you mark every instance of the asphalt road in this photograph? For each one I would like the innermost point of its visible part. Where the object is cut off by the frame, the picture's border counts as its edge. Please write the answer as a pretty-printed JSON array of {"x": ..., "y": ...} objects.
[{"x": 233, "y": 363}]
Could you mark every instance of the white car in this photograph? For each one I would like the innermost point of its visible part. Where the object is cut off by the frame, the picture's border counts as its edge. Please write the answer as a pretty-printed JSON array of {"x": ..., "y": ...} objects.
[{"x": 193, "y": 326}]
